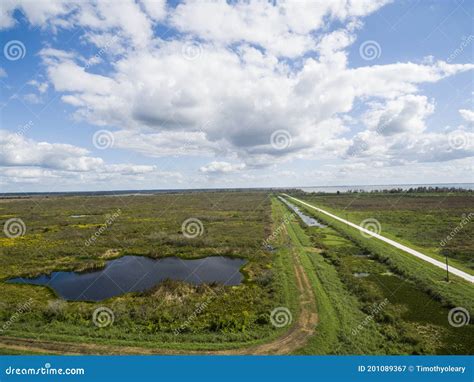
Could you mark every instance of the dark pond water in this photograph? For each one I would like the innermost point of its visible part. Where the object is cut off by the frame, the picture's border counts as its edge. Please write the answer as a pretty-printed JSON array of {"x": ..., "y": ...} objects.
[
  {"x": 308, "y": 220},
  {"x": 138, "y": 274}
]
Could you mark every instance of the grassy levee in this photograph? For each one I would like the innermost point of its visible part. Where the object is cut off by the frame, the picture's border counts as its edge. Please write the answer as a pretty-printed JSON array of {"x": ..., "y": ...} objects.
[
  {"x": 381, "y": 312},
  {"x": 429, "y": 278},
  {"x": 284, "y": 262},
  {"x": 338, "y": 310}
]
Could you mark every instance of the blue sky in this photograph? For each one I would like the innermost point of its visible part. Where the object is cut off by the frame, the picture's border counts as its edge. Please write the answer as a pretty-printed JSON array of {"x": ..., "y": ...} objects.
[{"x": 147, "y": 94}]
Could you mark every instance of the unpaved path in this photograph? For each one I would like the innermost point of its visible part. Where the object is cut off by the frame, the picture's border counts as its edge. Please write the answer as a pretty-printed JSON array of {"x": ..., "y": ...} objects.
[{"x": 303, "y": 329}]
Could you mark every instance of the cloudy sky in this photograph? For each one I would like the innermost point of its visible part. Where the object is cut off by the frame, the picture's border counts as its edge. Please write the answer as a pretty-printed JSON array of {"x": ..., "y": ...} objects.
[{"x": 147, "y": 94}]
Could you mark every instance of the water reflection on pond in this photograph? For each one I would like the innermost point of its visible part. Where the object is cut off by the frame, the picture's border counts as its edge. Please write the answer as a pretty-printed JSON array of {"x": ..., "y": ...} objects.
[{"x": 138, "y": 274}]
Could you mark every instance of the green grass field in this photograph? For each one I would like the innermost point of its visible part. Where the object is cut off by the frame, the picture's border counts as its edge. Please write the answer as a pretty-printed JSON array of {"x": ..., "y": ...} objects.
[
  {"x": 400, "y": 307},
  {"x": 234, "y": 225}
]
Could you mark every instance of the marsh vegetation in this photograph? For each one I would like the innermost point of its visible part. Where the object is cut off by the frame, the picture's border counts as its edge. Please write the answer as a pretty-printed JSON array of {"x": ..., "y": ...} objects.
[{"x": 399, "y": 306}]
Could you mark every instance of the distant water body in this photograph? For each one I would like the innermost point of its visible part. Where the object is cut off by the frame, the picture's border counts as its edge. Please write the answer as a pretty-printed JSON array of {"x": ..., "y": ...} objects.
[
  {"x": 329, "y": 189},
  {"x": 368, "y": 188}
]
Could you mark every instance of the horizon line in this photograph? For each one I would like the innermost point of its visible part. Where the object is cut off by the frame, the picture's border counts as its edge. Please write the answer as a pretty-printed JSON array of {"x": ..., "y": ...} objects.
[{"x": 229, "y": 188}]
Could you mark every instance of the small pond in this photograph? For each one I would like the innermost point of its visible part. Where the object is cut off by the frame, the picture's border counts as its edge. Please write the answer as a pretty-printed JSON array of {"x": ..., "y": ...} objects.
[
  {"x": 308, "y": 220},
  {"x": 138, "y": 274}
]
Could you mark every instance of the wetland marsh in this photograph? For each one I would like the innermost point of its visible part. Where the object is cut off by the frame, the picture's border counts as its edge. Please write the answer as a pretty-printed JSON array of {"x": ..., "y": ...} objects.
[{"x": 193, "y": 272}]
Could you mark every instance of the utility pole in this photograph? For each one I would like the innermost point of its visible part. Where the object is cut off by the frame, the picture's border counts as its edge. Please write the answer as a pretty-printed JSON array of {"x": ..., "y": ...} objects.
[{"x": 447, "y": 269}]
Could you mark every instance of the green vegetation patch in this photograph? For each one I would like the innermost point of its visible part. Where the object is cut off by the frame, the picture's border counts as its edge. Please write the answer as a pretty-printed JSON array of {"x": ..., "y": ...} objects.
[{"x": 172, "y": 315}]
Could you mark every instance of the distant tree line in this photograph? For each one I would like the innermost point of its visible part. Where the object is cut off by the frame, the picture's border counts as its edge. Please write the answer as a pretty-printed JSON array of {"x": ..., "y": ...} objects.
[
  {"x": 412, "y": 190},
  {"x": 399, "y": 190}
]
